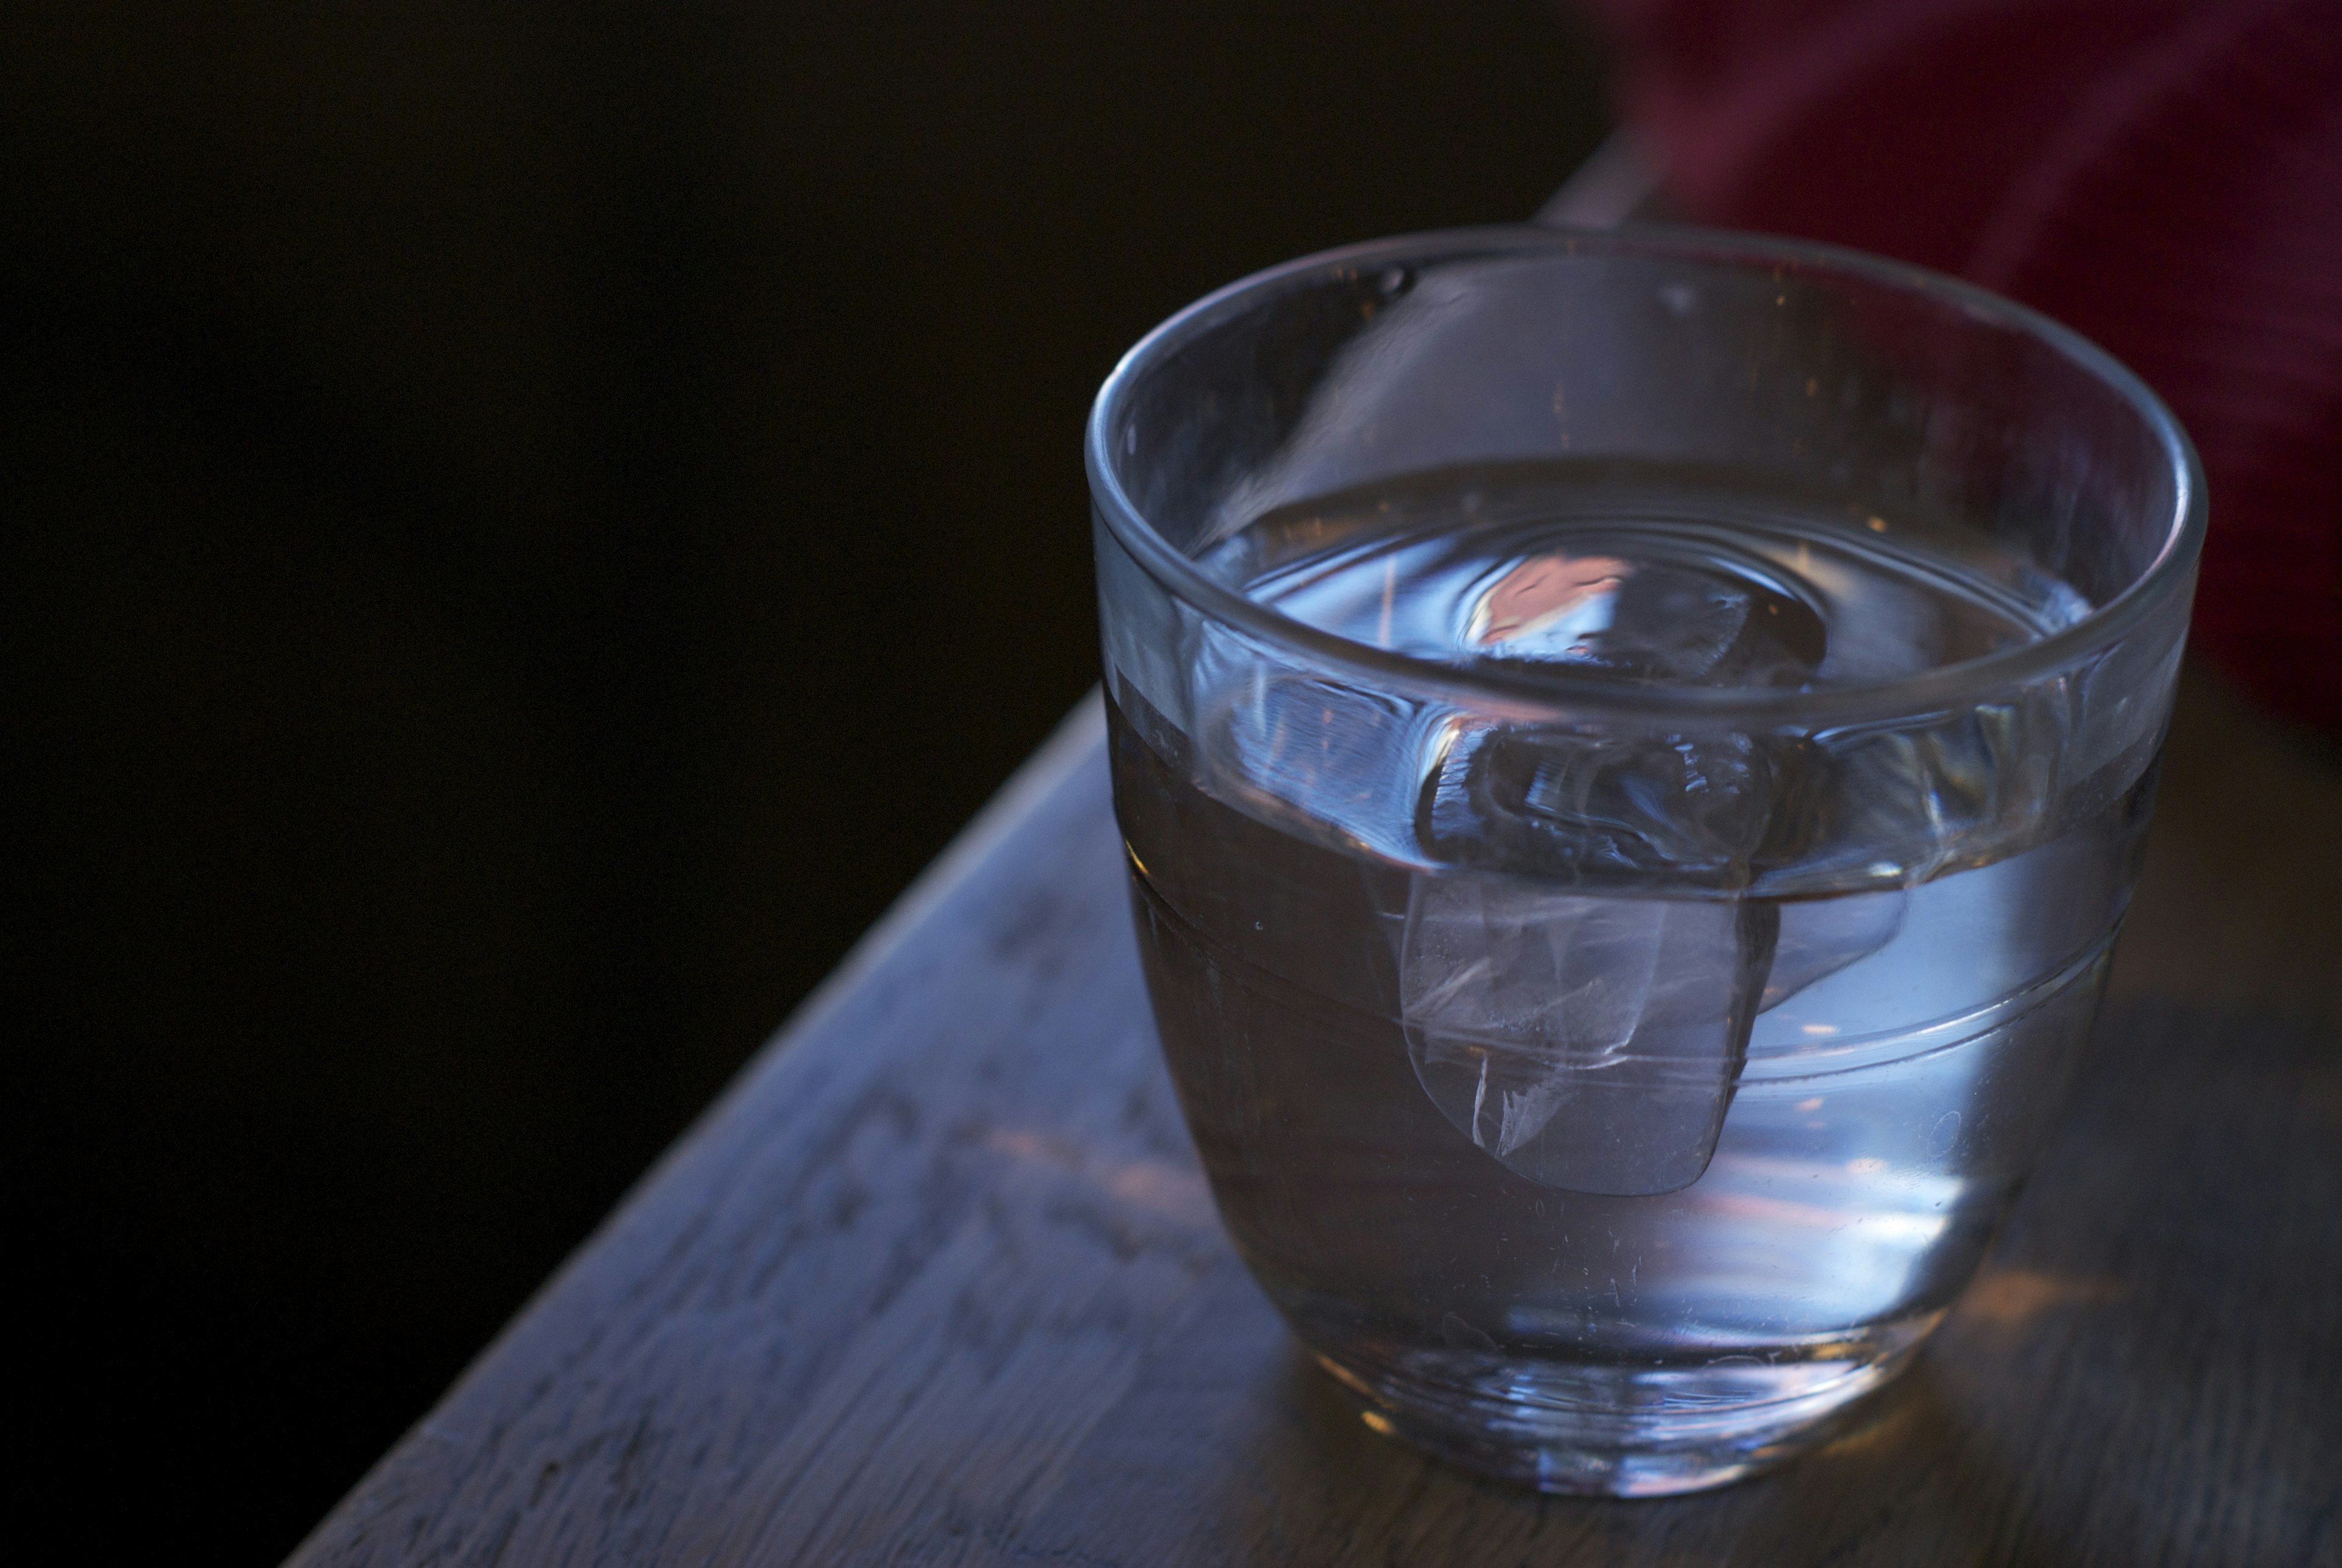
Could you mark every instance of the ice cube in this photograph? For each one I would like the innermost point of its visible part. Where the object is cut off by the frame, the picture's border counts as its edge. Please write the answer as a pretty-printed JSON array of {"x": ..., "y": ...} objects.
[
  {"x": 1587, "y": 1042},
  {"x": 1647, "y": 810},
  {"x": 1820, "y": 936},
  {"x": 1321, "y": 759},
  {"x": 1681, "y": 622},
  {"x": 1581, "y": 1006},
  {"x": 1911, "y": 801}
]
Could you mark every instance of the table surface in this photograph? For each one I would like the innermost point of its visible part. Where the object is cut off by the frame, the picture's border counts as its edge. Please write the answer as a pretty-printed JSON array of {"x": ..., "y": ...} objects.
[{"x": 937, "y": 1280}]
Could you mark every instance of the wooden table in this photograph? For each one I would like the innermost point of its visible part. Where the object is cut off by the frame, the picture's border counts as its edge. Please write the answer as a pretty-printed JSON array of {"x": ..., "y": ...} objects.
[{"x": 937, "y": 1280}]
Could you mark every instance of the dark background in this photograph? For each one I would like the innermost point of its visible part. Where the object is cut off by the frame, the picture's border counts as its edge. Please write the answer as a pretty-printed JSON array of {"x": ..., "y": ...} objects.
[{"x": 526, "y": 527}]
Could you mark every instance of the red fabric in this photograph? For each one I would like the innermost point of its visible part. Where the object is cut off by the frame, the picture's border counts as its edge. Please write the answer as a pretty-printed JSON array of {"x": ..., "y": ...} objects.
[{"x": 2164, "y": 176}]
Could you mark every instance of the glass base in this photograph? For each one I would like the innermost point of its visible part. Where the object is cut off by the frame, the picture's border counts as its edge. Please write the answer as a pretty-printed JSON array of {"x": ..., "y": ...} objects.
[{"x": 1652, "y": 1450}]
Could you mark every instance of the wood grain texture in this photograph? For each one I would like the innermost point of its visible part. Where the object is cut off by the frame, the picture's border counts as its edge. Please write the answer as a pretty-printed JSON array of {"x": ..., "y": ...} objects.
[{"x": 937, "y": 1281}]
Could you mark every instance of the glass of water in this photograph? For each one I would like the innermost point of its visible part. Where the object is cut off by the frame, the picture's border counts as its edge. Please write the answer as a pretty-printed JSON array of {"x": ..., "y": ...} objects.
[{"x": 1632, "y": 750}]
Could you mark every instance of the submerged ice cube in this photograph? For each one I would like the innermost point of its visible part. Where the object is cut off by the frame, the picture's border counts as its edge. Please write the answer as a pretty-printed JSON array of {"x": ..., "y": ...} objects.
[
  {"x": 1585, "y": 1023},
  {"x": 1586, "y": 1042},
  {"x": 1819, "y": 936}
]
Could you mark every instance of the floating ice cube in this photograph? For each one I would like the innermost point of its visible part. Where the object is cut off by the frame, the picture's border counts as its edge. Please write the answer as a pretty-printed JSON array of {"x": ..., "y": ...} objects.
[
  {"x": 1913, "y": 801},
  {"x": 1683, "y": 621},
  {"x": 1651, "y": 809},
  {"x": 1333, "y": 761}
]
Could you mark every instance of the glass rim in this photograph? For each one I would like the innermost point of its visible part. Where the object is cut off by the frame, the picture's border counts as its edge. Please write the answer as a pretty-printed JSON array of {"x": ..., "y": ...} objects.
[{"x": 1560, "y": 690}]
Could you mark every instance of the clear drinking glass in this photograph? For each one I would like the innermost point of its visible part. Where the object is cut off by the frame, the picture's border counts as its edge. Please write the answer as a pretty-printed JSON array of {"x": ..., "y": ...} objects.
[{"x": 1632, "y": 750}]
